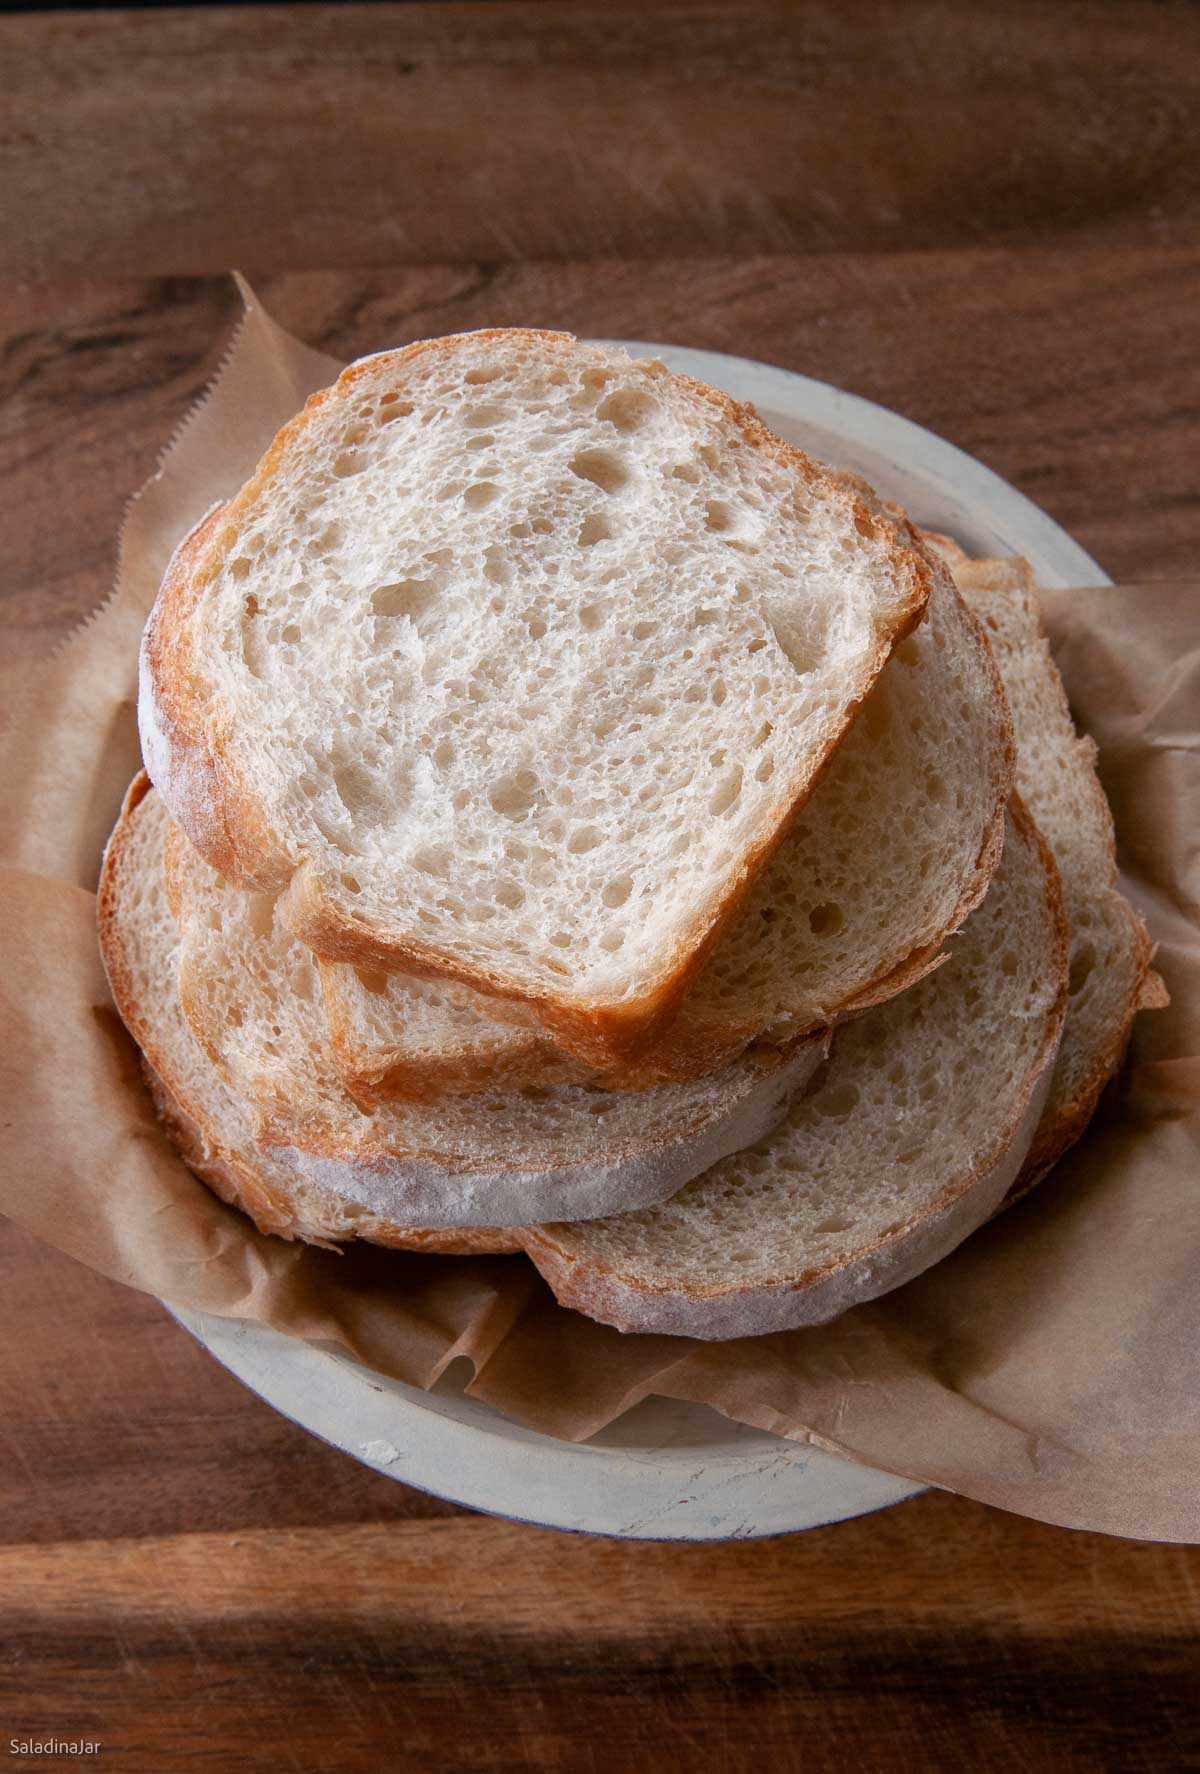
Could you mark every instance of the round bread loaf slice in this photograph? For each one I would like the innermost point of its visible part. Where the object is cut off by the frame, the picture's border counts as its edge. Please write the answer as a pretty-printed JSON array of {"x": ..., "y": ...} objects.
[
  {"x": 205, "y": 1120},
  {"x": 250, "y": 994},
  {"x": 904, "y": 1146},
  {"x": 511, "y": 665},
  {"x": 892, "y": 852},
  {"x": 1111, "y": 953}
]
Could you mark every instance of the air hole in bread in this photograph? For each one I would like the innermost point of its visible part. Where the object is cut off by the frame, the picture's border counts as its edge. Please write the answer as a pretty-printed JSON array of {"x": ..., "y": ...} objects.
[
  {"x": 481, "y": 495},
  {"x": 724, "y": 797},
  {"x": 593, "y": 529},
  {"x": 356, "y": 790},
  {"x": 345, "y": 467},
  {"x": 617, "y": 891},
  {"x": 627, "y": 408},
  {"x": 351, "y": 884},
  {"x": 375, "y": 983},
  {"x": 514, "y": 795},
  {"x": 612, "y": 941},
  {"x": 826, "y": 919},
  {"x": 483, "y": 417},
  {"x": 434, "y": 860},
  {"x": 239, "y": 567},
  {"x": 1008, "y": 963},
  {"x": 591, "y": 617},
  {"x": 495, "y": 567},
  {"x": 718, "y": 693},
  {"x": 826, "y": 1228},
  {"x": 583, "y": 840},
  {"x": 405, "y": 597},
  {"x": 604, "y": 468},
  {"x": 718, "y": 516},
  {"x": 643, "y": 630}
]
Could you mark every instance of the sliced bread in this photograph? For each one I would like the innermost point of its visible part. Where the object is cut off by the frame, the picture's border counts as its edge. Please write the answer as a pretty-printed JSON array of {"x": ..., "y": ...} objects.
[
  {"x": 906, "y": 1144},
  {"x": 511, "y": 665},
  {"x": 251, "y": 996},
  {"x": 891, "y": 853},
  {"x": 204, "y": 1118},
  {"x": 1111, "y": 974},
  {"x": 903, "y": 1147}
]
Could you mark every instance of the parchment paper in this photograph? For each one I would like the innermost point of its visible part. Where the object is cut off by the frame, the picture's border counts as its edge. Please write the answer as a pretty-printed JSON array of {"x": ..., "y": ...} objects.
[{"x": 1050, "y": 1366}]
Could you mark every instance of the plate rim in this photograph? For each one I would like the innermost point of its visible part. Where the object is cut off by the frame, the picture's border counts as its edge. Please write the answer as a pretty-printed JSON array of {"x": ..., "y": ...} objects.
[
  {"x": 446, "y": 1444},
  {"x": 957, "y": 479}
]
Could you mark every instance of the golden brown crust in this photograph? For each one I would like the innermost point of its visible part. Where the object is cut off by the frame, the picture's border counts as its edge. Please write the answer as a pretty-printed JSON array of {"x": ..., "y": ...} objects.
[{"x": 226, "y": 821}]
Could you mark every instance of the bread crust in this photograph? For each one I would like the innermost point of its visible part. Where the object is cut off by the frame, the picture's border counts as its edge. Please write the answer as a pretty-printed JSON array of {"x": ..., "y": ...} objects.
[
  {"x": 812, "y": 1295},
  {"x": 406, "y": 1184},
  {"x": 1067, "y": 1114},
  {"x": 698, "y": 1041},
  {"x": 238, "y": 1183},
  {"x": 192, "y": 762}
]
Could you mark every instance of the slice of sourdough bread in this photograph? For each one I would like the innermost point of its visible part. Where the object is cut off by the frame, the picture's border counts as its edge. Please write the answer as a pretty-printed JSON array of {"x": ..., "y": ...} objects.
[
  {"x": 904, "y": 1146},
  {"x": 911, "y": 1138},
  {"x": 891, "y": 853},
  {"x": 250, "y": 994},
  {"x": 511, "y": 664},
  {"x": 1111, "y": 974},
  {"x": 205, "y": 1119}
]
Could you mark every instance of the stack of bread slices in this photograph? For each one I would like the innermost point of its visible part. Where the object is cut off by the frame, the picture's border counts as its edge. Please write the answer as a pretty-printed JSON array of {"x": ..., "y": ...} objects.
[{"x": 582, "y": 824}]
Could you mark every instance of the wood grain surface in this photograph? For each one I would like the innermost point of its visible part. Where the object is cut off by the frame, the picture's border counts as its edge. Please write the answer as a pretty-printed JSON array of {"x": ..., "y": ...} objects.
[
  {"x": 369, "y": 135},
  {"x": 983, "y": 217}
]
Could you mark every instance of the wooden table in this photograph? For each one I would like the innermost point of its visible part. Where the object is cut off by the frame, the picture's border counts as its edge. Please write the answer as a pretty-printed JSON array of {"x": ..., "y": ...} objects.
[{"x": 987, "y": 222}]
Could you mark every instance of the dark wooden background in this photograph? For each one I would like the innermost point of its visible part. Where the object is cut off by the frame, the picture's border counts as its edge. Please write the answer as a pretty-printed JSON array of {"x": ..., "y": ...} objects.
[{"x": 985, "y": 217}]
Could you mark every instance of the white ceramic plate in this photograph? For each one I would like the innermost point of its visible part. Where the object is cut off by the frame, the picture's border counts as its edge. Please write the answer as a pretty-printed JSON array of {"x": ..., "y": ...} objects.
[{"x": 666, "y": 1471}]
